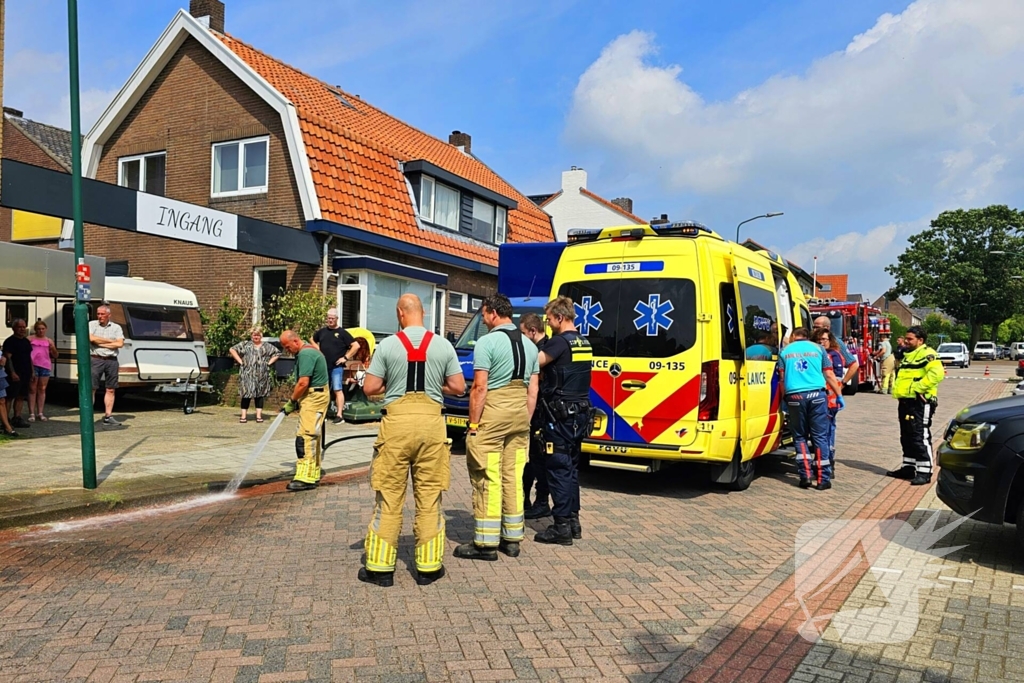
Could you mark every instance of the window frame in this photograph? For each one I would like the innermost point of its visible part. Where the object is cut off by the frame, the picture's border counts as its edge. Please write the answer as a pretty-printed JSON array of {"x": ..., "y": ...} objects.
[
  {"x": 257, "y": 289},
  {"x": 139, "y": 335},
  {"x": 465, "y": 302},
  {"x": 240, "y": 144},
  {"x": 431, "y": 218},
  {"x": 475, "y": 306},
  {"x": 141, "y": 158}
]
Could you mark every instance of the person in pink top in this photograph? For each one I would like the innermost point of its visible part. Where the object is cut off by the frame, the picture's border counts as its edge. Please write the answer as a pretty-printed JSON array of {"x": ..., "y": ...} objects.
[{"x": 44, "y": 352}]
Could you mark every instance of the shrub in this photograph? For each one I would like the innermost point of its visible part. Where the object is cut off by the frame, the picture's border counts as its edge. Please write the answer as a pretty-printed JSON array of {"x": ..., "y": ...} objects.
[
  {"x": 225, "y": 328},
  {"x": 299, "y": 310}
]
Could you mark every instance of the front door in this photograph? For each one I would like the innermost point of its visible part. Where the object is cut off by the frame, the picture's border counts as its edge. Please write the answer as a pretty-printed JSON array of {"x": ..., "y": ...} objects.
[{"x": 760, "y": 393}]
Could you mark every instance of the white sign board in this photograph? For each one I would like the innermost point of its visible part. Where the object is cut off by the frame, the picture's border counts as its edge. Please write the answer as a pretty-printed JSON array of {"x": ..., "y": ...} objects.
[{"x": 157, "y": 215}]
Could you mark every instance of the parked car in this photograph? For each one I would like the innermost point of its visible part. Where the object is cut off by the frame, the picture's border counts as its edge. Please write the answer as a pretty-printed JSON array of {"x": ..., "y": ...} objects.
[
  {"x": 1016, "y": 350},
  {"x": 1020, "y": 368},
  {"x": 1003, "y": 352},
  {"x": 985, "y": 351},
  {"x": 981, "y": 462},
  {"x": 954, "y": 353}
]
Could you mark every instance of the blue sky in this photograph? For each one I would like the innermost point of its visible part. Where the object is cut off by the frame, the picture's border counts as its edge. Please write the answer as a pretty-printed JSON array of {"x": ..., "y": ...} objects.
[{"x": 860, "y": 120}]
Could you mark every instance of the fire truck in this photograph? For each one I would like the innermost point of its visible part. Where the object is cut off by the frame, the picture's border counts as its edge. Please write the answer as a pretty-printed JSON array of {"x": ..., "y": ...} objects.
[{"x": 859, "y": 326}]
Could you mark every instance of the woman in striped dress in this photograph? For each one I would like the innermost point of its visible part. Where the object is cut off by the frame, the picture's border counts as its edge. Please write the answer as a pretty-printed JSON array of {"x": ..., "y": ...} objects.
[{"x": 254, "y": 378}]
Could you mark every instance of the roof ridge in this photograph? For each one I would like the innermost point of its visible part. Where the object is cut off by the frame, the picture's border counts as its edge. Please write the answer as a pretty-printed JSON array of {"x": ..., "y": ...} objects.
[
  {"x": 550, "y": 198},
  {"x": 613, "y": 206}
]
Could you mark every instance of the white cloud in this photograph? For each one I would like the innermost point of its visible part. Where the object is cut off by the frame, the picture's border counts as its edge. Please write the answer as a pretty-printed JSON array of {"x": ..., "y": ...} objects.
[
  {"x": 925, "y": 106},
  {"x": 37, "y": 83}
]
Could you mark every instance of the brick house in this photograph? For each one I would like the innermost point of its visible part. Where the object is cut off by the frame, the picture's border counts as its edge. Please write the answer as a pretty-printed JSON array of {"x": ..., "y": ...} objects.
[
  {"x": 237, "y": 173},
  {"x": 41, "y": 145},
  {"x": 574, "y": 206},
  {"x": 833, "y": 287}
]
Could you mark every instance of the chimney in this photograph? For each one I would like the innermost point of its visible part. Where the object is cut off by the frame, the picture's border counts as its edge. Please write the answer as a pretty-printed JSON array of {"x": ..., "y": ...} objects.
[
  {"x": 461, "y": 140},
  {"x": 624, "y": 203},
  {"x": 209, "y": 12},
  {"x": 660, "y": 221},
  {"x": 574, "y": 179}
]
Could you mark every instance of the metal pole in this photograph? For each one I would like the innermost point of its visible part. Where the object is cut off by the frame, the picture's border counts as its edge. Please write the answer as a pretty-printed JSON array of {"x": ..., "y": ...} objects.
[{"x": 85, "y": 418}]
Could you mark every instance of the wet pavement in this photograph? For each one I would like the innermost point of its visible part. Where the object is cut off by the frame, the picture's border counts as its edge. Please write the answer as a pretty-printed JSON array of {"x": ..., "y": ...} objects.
[{"x": 674, "y": 579}]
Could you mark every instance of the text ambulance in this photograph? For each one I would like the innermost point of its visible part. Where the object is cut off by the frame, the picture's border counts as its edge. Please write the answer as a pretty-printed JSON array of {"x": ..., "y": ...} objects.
[{"x": 685, "y": 328}]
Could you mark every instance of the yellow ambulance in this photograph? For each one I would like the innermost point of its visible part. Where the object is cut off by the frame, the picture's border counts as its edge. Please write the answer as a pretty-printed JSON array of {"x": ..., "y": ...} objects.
[{"x": 685, "y": 328}]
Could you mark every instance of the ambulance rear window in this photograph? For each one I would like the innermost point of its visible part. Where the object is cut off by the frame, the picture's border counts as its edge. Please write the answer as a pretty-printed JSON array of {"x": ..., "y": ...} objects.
[{"x": 636, "y": 318}]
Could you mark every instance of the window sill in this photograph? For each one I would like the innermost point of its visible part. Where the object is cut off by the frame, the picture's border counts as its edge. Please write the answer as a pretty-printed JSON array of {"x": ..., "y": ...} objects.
[{"x": 239, "y": 194}]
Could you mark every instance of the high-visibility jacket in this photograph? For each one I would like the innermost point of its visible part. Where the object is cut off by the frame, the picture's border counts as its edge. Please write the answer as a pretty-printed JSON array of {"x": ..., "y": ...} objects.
[{"x": 919, "y": 374}]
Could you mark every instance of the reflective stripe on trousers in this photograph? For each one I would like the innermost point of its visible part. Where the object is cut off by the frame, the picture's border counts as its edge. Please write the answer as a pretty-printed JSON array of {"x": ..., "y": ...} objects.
[
  {"x": 916, "y": 433},
  {"x": 312, "y": 411},
  {"x": 411, "y": 439},
  {"x": 495, "y": 458}
]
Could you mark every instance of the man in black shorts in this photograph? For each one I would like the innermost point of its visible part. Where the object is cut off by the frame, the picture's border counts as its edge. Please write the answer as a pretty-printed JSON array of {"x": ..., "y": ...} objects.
[
  {"x": 105, "y": 338},
  {"x": 338, "y": 348}
]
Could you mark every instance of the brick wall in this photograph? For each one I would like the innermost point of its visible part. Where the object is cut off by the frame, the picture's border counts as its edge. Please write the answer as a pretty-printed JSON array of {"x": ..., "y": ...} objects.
[
  {"x": 195, "y": 102},
  {"x": 2, "y": 13},
  {"x": 17, "y": 146}
]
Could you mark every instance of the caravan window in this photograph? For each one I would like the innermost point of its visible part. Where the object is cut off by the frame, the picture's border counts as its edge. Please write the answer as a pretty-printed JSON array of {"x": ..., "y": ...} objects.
[
  {"x": 16, "y": 310},
  {"x": 67, "y": 318},
  {"x": 158, "y": 322}
]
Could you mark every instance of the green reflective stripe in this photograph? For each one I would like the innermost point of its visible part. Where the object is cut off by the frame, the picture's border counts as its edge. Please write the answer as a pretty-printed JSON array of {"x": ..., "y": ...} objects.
[{"x": 493, "y": 485}]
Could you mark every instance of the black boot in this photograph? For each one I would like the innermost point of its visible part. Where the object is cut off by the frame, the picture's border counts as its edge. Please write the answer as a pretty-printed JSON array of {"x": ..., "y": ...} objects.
[
  {"x": 537, "y": 510},
  {"x": 427, "y": 578},
  {"x": 902, "y": 473},
  {"x": 471, "y": 551},
  {"x": 382, "y": 579},
  {"x": 296, "y": 485},
  {"x": 574, "y": 526},
  {"x": 510, "y": 548},
  {"x": 556, "y": 534},
  {"x": 921, "y": 480}
]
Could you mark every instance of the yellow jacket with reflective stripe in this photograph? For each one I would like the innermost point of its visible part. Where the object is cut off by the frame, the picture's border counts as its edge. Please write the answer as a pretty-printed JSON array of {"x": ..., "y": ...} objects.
[{"x": 919, "y": 374}]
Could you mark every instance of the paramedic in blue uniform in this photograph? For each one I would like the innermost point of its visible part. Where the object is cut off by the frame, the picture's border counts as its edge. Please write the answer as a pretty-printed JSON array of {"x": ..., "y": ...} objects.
[
  {"x": 565, "y": 411},
  {"x": 806, "y": 371}
]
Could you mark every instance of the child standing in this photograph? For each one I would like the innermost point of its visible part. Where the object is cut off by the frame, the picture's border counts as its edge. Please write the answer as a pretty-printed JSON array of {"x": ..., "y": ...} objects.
[{"x": 44, "y": 352}]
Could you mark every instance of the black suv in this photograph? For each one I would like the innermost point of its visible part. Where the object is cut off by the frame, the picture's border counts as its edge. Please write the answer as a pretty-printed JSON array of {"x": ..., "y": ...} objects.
[{"x": 981, "y": 463}]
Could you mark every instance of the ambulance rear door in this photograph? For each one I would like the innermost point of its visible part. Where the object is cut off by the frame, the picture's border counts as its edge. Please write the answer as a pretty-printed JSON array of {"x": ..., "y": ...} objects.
[
  {"x": 760, "y": 393},
  {"x": 658, "y": 391}
]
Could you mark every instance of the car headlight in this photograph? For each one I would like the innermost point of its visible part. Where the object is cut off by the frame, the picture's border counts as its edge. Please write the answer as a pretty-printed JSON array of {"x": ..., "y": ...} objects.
[{"x": 971, "y": 436}]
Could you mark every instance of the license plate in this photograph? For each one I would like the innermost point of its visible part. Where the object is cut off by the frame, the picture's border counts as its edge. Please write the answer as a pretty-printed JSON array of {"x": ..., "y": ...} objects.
[{"x": 455, "y": 421}]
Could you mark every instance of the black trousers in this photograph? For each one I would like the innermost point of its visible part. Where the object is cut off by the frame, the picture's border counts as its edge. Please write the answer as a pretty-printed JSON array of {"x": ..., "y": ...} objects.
[
  {"x": 916, "y": 433},
  {"x": 563, "y": 438},
  {"x": 258, "y": 401},
  {"x": 536, "y": 471}
]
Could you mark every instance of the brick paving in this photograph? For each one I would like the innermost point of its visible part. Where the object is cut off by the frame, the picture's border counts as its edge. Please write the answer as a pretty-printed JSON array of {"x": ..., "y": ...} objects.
[{"x": 670, "y": 574}]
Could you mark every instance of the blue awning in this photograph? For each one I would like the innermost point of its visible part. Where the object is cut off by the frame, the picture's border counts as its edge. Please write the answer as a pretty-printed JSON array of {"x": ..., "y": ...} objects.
[{"x": 343, "y": 263}]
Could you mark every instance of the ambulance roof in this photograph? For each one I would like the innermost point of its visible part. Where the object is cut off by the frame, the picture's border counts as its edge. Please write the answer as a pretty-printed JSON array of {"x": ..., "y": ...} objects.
[{"x": 135, "y": 290}]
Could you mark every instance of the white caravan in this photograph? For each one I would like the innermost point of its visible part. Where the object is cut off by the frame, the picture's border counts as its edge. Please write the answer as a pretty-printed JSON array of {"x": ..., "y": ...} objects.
[{"x": 163, "y": 336}]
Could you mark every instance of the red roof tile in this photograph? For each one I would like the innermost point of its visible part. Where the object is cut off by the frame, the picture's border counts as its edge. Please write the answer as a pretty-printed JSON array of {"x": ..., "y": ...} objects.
[
  {"x": 614, "y": 207},
  {"x": 355, "y": 151},
  {"x": 837, "y": 286}
]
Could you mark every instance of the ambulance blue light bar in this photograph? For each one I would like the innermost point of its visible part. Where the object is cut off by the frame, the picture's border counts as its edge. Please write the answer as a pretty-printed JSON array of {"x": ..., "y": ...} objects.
[
  {"x": 680, "y": 229},
  {"x": 583, "y": 235}
]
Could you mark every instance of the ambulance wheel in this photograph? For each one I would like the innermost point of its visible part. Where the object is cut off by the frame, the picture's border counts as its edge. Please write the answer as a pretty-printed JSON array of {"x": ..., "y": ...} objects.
[{"x": 745, "y": 477}]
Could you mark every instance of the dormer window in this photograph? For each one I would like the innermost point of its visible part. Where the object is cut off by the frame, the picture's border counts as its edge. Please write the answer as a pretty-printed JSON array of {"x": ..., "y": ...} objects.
[
  {"x": 439, "y": 204},
  {"x": 489, "y": 221}
]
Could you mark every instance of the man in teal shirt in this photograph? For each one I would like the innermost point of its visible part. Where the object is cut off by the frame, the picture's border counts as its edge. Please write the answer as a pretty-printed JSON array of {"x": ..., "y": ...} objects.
[{"x": 501, "y": 403}]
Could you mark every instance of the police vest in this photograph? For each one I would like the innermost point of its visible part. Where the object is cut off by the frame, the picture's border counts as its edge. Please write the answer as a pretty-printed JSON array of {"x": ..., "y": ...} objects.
[
  {"x": 569, "y": 378},
  {"x": 515, "y": 337},
  {"x": 919, "y": 374},
  {"x": 416, "y": 377}
]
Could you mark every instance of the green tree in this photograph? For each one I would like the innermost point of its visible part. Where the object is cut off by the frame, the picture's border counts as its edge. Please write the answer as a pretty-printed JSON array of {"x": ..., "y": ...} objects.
[
  {"x": 938, "y": 328},
  {"x": 950, "y": 266},
  {"x": 225, "y": 327},
  {"x": 896, "y": 328},
  {"x": 299, "y": 310}
]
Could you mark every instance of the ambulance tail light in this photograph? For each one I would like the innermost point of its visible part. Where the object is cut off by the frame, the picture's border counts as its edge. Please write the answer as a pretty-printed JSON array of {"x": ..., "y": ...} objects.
[{"x": 707, "y": 411}]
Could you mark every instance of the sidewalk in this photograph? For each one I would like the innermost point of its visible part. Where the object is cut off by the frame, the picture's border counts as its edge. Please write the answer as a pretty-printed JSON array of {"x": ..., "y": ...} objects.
[{"x": 158, "y": 453}]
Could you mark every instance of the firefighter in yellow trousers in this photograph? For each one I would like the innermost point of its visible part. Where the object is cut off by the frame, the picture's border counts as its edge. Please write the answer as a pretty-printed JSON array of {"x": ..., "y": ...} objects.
[
  {"x": 311, "y": 398},
  {"x": 411, "y": 369},
  {"x": 501, "y": 404}
]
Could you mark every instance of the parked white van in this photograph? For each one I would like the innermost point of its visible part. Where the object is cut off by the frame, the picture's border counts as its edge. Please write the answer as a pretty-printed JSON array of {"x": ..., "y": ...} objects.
[
  {"x": 985, "y": 351},
  {"x": 1016, "y": 350},
  {"x": 954, "y": 353},
  {"x": 163, "y": 345}
]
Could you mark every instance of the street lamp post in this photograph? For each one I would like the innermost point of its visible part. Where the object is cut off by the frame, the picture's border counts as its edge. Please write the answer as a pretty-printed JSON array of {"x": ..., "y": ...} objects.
[{"x": 772, "y": 214}]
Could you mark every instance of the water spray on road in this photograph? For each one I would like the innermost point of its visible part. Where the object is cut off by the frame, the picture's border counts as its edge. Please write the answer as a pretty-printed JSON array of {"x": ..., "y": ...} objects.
[{"x": 236, "y": 480}]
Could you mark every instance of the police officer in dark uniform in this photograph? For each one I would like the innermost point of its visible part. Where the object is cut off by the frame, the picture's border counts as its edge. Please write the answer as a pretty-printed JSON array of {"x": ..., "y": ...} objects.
[
  {"x": 567, "y": 417},
  {"x": 532, "y": 327}
]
